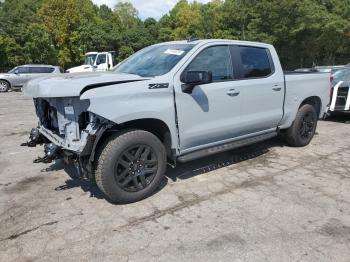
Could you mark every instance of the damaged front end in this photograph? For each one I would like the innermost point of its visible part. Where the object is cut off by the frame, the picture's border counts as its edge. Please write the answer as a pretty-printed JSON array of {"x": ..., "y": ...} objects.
[{"x": 68, "y": 131}]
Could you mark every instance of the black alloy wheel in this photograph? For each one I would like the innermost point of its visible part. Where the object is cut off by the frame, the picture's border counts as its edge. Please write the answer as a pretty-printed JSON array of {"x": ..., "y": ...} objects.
[
  {"x": 307, "y": 126},
  {"x": 136, "y": 168}
]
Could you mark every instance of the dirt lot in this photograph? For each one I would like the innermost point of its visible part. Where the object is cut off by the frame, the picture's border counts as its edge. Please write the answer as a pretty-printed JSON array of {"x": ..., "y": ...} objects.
[{"x": 268, "y": 202}]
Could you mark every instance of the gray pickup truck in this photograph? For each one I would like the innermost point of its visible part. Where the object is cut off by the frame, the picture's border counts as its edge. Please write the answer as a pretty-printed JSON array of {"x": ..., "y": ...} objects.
[{"x": 170, "y": 102}]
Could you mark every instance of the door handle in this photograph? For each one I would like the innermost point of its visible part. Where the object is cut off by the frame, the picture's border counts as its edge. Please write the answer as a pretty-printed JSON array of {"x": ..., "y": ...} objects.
[
  {"x": 232, "y": 92},
  {"x": 277, "y": 89}
]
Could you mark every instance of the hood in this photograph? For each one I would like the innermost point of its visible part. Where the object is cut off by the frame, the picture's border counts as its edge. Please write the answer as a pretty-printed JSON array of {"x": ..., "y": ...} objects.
[
  {"x": 70, "y": 85},
  {"x": 5, "y": 75},
  {"x": 81, "y": 68}
]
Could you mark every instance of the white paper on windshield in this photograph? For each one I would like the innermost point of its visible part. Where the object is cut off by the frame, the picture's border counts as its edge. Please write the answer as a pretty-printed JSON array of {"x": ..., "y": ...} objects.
[
  {"x": 174, "y": 52},
  {"x": 69, "y": 110}
]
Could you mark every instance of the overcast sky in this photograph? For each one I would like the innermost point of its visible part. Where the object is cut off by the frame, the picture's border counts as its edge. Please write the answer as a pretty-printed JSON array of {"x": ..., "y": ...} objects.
[{"x": 147, "y": 8}]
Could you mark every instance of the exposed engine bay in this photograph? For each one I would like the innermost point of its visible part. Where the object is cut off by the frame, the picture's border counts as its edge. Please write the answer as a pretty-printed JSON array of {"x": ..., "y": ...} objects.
[{"x": 66, "y": 128}]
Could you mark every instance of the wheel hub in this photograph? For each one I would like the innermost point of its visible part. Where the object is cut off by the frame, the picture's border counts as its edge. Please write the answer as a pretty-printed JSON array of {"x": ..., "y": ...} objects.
[
  {"x": 136, "y": 168},
  {"x": 3, "y": 86},
  {"x": 307, "y": 126}
]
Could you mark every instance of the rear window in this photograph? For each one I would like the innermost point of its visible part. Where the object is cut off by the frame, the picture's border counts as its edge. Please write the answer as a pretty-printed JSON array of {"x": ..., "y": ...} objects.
[
  {"x": 41, "y": 70},
  {"x": 255, "y": 62}
]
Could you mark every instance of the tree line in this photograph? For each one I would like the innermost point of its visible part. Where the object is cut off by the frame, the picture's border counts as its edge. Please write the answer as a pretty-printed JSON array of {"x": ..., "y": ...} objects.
[{"x": 304, "y": 32}]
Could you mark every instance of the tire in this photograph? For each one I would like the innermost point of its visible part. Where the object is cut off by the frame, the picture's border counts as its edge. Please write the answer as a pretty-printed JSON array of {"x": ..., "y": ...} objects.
[
  {"x": 130, "y": 166},
  {"x": 4, "y": 86},
  {"x": 303, "y": 129}
]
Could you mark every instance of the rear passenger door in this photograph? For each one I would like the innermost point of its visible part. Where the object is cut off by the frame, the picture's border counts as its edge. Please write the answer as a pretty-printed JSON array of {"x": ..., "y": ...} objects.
[
  {"x": 36, "y": 72},
  {"x": 262, "y": 89}
]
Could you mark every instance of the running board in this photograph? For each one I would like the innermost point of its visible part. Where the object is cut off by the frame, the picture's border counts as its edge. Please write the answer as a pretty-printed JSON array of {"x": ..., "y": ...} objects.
[{"x": 225, "y": 147}]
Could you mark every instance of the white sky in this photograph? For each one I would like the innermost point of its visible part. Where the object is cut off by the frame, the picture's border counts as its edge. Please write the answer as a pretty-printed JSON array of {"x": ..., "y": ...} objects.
[{"x": 147, "y": 8}]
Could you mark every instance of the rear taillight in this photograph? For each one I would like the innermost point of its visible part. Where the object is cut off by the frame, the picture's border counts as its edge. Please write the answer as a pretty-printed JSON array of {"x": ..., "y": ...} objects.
[{"x": 332, "y": 78}]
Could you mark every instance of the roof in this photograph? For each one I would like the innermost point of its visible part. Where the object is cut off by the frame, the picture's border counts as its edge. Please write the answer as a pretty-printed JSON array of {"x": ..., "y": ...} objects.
[
  {"x": 38, "y": 65},
  {"x": 206, "y": 41}
]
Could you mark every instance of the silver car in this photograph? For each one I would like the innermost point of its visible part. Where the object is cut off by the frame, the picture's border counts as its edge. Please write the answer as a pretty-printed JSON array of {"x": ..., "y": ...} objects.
[{"x": 16, "y": 78}]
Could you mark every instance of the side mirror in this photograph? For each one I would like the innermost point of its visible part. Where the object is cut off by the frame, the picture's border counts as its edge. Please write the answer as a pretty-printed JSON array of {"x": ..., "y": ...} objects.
[
  {"x": 16, "y": 72},
  {"x": 194, "y": 78}
]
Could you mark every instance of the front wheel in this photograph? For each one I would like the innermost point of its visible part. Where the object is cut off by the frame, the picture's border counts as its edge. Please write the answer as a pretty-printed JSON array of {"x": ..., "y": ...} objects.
[
  {"x": 303, "y": 129},
  {"x": 130, "y": 166},
  {"x": 4, "y": 86}
]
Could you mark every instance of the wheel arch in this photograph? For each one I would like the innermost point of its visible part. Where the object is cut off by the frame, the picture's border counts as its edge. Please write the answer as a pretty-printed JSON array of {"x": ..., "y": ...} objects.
[
  {"x": 7, "y": 81},
  {"x": 153, "y": 125},
  {"x": 315, "y": 101}
]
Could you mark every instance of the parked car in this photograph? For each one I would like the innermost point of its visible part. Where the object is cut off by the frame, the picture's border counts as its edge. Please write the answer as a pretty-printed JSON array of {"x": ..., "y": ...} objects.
[
  {"x": 329, "y": 69},
  {"x": 95, "y": 62},
  {"x": 16, "y": 78},
  {"x": 170, "y": 102},
  {"x": 340, "y": 90},
  {"x": 306, "y": 70}
]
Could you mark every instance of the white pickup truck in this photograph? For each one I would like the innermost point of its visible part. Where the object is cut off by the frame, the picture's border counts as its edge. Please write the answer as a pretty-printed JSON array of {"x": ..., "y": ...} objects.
[
  {"x": 170, "y": 102},
  {"x": 95, "y": 62}
]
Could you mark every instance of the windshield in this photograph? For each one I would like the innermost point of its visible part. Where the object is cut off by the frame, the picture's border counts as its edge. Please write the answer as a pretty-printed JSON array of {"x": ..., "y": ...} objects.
[
  {"x": 154, "y": 60},
  {"x": 12, "y": 70},
  {"x": 342, "y": 75},
  {"x": 90, "y": 59}
]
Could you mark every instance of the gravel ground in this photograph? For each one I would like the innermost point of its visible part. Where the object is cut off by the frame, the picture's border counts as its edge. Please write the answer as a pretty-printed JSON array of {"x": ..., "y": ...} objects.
[{"x": 267, "y": 202}]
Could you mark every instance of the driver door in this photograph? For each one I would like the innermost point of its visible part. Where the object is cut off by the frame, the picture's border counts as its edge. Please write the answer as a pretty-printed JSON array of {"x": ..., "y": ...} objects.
[
  {"x": 21, "y": 76},
  {"x": 211, "y": 113},
  {"x": 101, "y": 62}
]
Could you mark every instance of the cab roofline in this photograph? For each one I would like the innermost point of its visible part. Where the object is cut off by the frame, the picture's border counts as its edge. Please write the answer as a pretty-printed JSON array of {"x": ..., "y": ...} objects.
[{"x": 207, "y": 41}]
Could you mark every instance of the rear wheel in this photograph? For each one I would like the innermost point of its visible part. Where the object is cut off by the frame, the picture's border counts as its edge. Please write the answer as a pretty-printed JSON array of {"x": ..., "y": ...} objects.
[
  {"x": 303, "y": 129},
  {"x": 130, "y": 166},
  {"x": 4, "y": 86}
]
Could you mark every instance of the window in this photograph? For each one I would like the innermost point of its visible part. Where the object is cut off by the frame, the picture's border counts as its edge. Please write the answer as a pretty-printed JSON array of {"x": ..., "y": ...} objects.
[
  {"x": 23, "y": 70},
  {"x": 90, "y": 59},
  {"x": 217, "y": 60},
  {"x": 255, "y": 62},
  {"x": 101, "y": 59},
  {"x": 41, "y": 70},
  {"x": 154, "y": 60}
]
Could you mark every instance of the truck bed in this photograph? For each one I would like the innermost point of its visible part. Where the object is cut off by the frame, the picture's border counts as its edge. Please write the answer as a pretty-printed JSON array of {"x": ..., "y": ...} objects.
[{"x": 300, "y": 85}]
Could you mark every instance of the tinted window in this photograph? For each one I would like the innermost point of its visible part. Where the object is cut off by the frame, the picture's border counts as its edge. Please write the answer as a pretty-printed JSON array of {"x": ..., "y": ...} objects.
[
  {"x": 23, "y": 70},
  {"x": 41, "y": 70},
  {"x": 216, "y": 59},
  {"x": 255, "y": 62},
  {"x": 154, "y": 60}
]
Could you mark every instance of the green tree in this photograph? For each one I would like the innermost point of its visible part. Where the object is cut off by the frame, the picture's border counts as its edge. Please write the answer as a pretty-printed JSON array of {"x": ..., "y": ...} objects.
[
  {"x": 127, "y": 13},
  {"x": 62, "y": 20}
]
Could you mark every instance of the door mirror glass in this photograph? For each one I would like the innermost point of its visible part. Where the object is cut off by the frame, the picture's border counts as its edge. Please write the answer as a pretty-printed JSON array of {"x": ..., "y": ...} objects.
[{"x": 194, "y": 78}]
